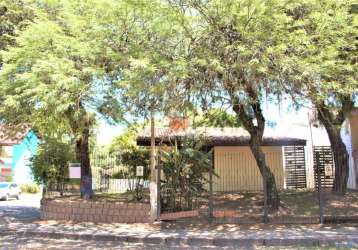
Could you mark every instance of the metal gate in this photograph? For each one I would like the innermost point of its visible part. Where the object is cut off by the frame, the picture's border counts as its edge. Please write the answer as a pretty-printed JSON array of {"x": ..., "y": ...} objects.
[
  {"x": 295, "y": 167},
  {"x": 323, "y": 161}
]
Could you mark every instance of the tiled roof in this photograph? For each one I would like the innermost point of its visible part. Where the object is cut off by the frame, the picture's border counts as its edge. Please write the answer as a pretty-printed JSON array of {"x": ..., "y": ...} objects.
[
  {"x": 12, "y": 135},
  {"x": 218, "y": 137}
]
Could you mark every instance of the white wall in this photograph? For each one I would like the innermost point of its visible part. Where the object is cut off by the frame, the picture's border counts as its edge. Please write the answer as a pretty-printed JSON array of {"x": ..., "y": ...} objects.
[
  {"x": 347, "y": 139},
  {"x": 22, "y": 171},
  {"x": 119, "y": 185}
]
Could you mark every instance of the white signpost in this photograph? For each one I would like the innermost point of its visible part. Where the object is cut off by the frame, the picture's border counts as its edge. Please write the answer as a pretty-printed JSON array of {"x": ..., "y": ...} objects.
[
  {"x": 140, "y": 171},
  {"x": 75, "y": 170},
  {"x": 328, "y": 171}
]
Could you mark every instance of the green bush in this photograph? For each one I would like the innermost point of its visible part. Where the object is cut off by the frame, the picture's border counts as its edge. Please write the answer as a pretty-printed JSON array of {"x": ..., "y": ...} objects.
[
  {"x": 9, "y": 179},
  {"x": 50, "y": 164},
  {"x": 30, "y": 188},
  {"x": 121, "y": 174},
  {"x": 184, "y": 174}
]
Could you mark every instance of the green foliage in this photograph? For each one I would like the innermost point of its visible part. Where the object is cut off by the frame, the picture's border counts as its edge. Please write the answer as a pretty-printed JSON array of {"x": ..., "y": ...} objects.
[
  {"x": 121, "y": 174},
  {"x": 130, "y": 159},
  {"x": 9, "y": 178},
  {"x": 129, "y": 154},
  {"x": 185, "y": 170},
  {"x": 148, "y": 82},
  {"x": 216, "y": 118},
  {"x": 125, "y": 141},
  {"x": 322, "y": 58},
  {"x": 30, "y": 188},
  {"x": 68, "y": 62},
  {"x": 133, "y": 158},
  {"x": 15, "y": 15},
  {"x": 50, "y": 164}
]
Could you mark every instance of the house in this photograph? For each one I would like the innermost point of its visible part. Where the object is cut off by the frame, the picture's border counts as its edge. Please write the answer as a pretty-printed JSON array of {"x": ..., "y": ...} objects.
[
  {"x": 16, "y": 149},
  {"x": 317, "y": 137},
  {"x": 233, "y": 161}
]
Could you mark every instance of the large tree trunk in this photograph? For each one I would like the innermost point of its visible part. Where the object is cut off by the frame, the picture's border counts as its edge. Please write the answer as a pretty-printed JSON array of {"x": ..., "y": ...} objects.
[
  {"x": 82, "y": 154},
  {"x": 340, "y": 153},
  {"x": 256, "y": 134},
  {"x": 81, "y": 130},
  {"x": 273, "y": 199}
]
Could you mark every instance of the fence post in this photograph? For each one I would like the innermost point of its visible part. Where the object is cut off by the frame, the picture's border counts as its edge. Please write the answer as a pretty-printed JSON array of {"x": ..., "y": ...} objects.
[
  {"x": 153, "y": 191},
  {"x": 158, "y": 187},
  {"x": 320, "y": 200},
  {"x": 211, "y": 193}
]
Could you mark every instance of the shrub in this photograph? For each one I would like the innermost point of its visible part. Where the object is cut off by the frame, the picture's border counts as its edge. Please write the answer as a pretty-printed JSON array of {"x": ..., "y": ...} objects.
[
  {"x": 50, "y": 164},
  {"x": 184, "y": 171},
  {"x": 133, "y": 158},
  {"x": 9, "y": 179},
  {"x": 30, "y": 188},
  {"x": 121, "y": 174}
]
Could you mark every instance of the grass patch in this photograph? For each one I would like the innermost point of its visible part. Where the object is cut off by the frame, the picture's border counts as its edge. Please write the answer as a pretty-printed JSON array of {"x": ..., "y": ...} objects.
[
  {"x": 127, "y": 196},
  {"x": 293, "y": 202},
  {"x": 30, "y": 188},
  {"x": 300, "y": 202}
]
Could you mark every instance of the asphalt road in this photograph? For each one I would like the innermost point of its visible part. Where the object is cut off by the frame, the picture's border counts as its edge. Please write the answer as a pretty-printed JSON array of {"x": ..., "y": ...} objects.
[
  {"x": 10, "y": 242},
  {"x": 15, "y": 242},
  {"x": 24, "y": 210}
]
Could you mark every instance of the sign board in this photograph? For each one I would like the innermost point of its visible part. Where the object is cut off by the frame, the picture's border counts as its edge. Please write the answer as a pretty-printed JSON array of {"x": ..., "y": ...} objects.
[
  {"x": 75, "y": 170},
  {"x": 140, "y": 171},
  {"x": 328, "y": 171}
]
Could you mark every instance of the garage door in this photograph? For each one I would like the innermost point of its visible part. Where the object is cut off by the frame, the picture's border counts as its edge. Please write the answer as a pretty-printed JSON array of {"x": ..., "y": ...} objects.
[{"x": 238, "y": 171}]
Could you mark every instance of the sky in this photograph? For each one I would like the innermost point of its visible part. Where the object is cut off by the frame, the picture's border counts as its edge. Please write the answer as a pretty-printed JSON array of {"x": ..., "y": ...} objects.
[
  {"x": 107, "y": 132},
  {"x": 282, "y": 115}
]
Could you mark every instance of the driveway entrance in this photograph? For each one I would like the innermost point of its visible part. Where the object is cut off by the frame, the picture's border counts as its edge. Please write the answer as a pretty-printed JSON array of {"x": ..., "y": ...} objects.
[{"x": 24, "y": 210}]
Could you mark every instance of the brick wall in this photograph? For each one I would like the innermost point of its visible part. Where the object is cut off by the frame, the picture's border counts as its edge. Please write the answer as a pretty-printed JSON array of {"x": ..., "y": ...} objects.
[
  {"x": 179, "y": 215},
  {"x": 95, "y": 211}
]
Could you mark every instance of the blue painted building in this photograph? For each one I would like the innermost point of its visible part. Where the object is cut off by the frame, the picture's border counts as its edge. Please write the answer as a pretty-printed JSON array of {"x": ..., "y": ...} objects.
[{"x": 16, "y": 150}]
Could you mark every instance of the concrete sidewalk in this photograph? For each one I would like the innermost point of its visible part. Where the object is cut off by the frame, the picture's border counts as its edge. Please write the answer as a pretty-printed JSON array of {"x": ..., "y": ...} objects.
[{"x": 185, "y": 234}]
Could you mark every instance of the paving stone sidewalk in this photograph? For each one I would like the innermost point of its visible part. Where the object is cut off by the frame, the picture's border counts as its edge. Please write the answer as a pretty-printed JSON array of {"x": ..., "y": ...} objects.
[{"x": 176, "y": 234}]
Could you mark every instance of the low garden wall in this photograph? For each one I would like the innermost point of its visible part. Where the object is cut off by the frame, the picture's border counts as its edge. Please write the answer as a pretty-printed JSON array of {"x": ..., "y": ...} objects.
[{"x": 95, "y": 211}]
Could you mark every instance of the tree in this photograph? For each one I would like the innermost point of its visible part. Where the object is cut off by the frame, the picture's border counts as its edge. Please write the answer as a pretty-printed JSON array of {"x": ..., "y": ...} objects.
[
  {"x": 215, "y": 118},
  {"x": 184, "y": 173},
  {"x": 54, "y": 77},
  {"x": 154, "y": 56},
  {"x": 14, "y": 17},
  {"x": 49, "y": 165},
  {"x": 126, "y": 141},
  {"x": 83, "y": 57},
  {"x": 232, "y": 53},
  {"x": 321, "y": 65}
]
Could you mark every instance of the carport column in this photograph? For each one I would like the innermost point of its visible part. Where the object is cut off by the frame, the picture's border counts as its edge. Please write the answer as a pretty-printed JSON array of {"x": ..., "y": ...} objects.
[{"x": 153, "y": 185}]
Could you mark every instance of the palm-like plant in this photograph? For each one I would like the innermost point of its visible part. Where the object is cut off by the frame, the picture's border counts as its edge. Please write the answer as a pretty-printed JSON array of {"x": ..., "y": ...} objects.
[{"x": 185, "y": 169}]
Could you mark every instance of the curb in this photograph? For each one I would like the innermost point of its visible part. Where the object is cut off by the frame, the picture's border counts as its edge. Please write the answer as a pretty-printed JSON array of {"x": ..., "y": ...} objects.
[{"x": 344, "y": 241}]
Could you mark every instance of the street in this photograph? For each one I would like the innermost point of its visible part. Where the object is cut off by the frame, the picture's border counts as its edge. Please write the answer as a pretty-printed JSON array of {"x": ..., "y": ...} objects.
[
  {"x": 15, "y": 242},
  {"x": 26, "y": 209},
  {"x": 20, "y": 228}
]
